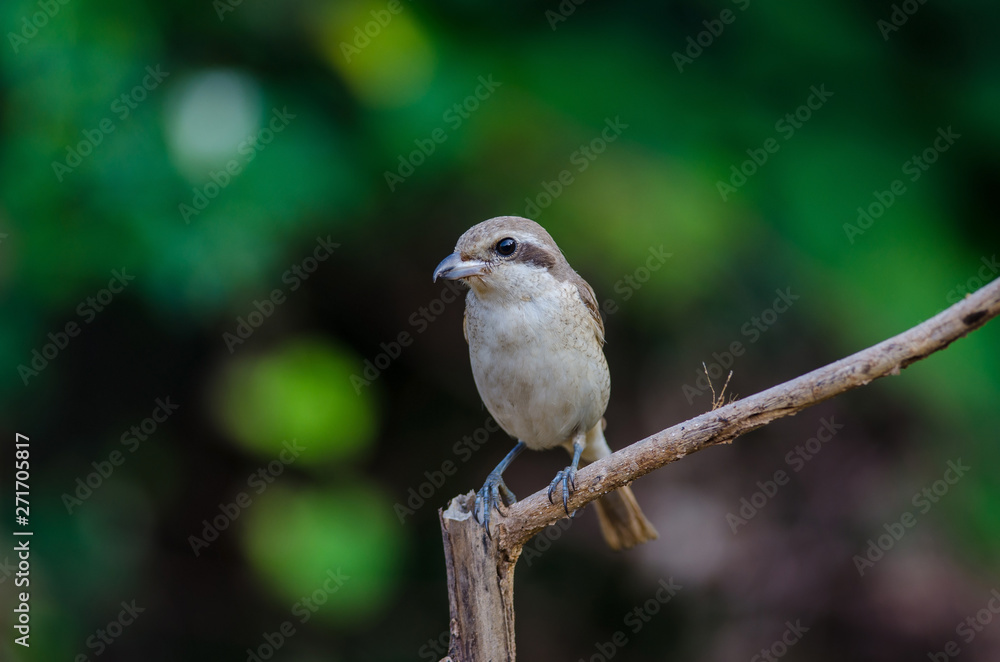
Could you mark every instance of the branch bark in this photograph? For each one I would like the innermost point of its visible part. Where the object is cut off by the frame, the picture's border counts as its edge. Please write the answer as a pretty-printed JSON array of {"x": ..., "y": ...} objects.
[{"x": 481, "y": 569}]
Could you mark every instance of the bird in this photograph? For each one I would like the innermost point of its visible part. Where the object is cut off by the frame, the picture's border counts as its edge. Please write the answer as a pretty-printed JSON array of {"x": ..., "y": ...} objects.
[{"x": 536, "y": 346}]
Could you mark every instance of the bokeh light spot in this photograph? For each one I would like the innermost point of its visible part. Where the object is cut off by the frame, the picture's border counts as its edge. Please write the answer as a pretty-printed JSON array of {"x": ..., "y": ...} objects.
[
  {"x": 301, "y": 391},
  {"x": 385, "y": 58},
  {"x": 207, "y": 117},
  {"x": 336, "y": 553}
]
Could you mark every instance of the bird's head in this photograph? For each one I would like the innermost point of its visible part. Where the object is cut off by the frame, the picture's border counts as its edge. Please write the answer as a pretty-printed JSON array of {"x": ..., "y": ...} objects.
[{"x": 507, "y": 256}]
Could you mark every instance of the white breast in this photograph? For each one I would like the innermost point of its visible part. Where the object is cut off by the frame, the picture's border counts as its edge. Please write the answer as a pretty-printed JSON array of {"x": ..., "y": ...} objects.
[{"x": 538, "y": 365}]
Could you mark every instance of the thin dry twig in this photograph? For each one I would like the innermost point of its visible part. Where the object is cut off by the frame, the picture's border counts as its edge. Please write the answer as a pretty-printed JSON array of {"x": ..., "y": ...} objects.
[{"x": 721, "y": 400}]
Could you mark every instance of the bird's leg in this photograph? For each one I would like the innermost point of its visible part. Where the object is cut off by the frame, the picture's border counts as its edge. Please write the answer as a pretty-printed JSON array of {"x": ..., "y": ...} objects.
[
  {"x": 489, "y": 496},
  {"x": 567, "y": 476}
]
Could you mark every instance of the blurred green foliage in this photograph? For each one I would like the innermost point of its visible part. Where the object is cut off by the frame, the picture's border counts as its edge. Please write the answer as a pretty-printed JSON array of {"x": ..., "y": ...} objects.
[
  {"x": 294, "y": 539},
  {"x": 302, "y": 392},
  {"x": 206, "y": 147}
]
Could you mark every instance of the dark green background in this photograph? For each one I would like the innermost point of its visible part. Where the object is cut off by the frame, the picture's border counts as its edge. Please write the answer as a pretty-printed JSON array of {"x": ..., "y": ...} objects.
[{"x": 350, "y": 115}]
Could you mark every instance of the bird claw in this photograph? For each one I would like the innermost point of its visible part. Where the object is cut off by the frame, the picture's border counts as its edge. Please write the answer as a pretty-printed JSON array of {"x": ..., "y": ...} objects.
[
  {"x": 567, "y": 477},
  {"x": 494, "y": 495}
]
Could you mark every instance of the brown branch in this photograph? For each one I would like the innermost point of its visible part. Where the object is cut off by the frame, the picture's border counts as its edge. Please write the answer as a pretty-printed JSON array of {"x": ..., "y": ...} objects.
[{"x": 486, "y": 632}]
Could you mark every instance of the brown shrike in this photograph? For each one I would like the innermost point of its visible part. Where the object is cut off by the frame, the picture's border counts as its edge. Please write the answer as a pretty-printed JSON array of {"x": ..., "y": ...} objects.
[{"x": 536, "y": 345}]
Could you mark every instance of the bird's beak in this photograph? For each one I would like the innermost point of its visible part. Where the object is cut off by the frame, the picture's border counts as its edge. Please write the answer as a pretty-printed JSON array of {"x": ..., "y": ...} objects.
[{"x": 454, "y": 267}]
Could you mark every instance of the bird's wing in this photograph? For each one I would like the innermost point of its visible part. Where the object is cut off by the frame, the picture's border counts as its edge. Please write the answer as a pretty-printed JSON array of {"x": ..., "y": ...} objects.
[
  {"x": 589, "y": 299},
  {"x": 465, "y": 325}
]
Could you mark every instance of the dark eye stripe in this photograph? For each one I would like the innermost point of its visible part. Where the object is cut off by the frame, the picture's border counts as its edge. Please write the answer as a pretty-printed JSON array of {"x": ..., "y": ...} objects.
[{"x": 536, "y": 256}]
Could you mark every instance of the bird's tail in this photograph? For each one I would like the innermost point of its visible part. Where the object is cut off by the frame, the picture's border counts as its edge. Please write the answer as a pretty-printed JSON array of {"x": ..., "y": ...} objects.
[{"x": 622, "y": 522}]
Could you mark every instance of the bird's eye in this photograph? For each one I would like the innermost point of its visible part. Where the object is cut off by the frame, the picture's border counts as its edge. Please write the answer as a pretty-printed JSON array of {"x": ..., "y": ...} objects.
[{"x": 506, "y": 247}]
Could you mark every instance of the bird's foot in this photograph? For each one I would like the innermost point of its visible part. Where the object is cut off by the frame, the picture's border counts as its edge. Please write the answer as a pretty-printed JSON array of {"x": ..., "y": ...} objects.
[
  {"x": 494, "y": 495},
  {"x": 567, "y": 477}
]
